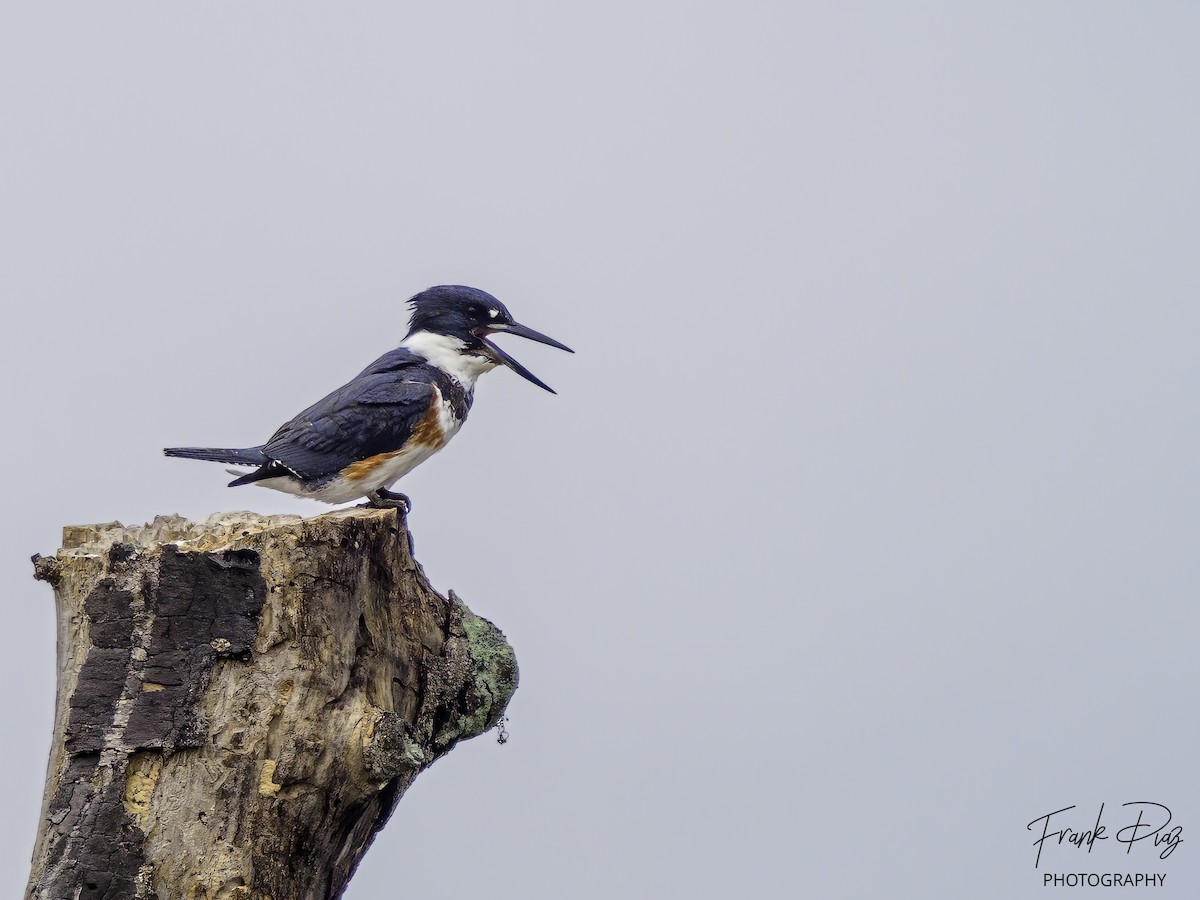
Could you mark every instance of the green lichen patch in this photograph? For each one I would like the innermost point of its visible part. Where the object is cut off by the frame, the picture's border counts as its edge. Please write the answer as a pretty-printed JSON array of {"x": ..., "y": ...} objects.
[{"x": 490, "y": 678}]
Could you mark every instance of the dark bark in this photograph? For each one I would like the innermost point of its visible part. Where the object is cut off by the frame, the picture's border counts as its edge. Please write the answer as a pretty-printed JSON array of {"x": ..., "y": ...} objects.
[{"x": 242, "y": 702}]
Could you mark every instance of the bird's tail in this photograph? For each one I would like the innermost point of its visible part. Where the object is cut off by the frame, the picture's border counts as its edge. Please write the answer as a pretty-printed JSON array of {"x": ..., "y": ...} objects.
[{"x": 246, "y": 456}]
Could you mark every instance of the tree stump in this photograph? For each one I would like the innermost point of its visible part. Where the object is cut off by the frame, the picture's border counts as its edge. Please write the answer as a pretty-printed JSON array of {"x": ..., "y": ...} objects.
[{"x": 242, "y": 702}]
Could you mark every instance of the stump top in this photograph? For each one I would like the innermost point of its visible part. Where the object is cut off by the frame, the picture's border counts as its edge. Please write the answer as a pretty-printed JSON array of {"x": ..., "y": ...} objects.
[{"x": 211, "y": 533}]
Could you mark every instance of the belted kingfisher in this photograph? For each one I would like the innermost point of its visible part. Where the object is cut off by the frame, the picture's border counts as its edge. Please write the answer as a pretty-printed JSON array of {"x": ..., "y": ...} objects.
[{"x": 393, "y": 415}]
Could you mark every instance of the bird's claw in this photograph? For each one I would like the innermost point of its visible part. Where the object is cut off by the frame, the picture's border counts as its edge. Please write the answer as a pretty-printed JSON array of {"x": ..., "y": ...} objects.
[{"x": 385, "y": 499}]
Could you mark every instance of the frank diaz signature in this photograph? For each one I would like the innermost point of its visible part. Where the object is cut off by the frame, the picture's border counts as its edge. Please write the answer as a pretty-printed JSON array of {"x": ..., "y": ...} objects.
[{"x": 1146, "y": 820}]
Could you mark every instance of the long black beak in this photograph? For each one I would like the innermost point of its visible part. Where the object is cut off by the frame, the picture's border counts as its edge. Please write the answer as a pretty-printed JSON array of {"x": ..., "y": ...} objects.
[{"x": 522, "y": 331}]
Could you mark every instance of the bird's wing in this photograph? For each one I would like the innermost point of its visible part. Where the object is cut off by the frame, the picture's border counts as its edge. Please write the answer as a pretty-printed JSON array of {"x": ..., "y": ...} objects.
[{"x": 375, "y": 413}]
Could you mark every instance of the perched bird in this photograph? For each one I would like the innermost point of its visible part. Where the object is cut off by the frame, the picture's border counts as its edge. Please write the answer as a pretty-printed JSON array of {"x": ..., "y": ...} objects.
[{"x": 393, "y": 415}]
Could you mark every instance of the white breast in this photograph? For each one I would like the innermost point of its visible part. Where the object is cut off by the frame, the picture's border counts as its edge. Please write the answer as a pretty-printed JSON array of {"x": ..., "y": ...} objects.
[{"x": 447, "y": 354}]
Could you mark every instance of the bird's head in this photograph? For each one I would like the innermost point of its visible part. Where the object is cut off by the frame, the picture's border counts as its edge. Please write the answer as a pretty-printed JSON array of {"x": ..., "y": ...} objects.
[{"x": 468, "y": 317}]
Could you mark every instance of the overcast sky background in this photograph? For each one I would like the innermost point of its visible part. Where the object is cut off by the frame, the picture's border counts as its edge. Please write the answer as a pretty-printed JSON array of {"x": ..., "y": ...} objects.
[{"x": 863, "y": 528}]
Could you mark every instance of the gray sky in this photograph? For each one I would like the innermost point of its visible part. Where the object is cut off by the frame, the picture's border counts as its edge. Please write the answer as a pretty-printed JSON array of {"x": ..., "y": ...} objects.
[{"x": 863, "y": 528}]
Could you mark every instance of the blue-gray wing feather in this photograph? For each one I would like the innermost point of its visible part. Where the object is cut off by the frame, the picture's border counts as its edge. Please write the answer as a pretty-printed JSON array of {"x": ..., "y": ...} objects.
[{"x": 375, "y": 413}]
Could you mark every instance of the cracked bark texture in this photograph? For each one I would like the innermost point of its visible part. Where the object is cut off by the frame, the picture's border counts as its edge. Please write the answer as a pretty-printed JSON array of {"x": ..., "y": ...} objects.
[{"x": 242, "y": 702}]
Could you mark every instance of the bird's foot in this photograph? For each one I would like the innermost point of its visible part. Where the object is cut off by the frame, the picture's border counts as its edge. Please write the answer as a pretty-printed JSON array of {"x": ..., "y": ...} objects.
[{"x": 385, "y": 499}]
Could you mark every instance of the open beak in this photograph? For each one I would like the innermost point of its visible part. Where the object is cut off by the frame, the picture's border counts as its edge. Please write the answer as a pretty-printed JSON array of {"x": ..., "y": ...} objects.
[{"x": 521, "y": 331}]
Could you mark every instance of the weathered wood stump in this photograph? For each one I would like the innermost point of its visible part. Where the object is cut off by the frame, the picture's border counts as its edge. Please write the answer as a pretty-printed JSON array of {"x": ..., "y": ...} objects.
[{"x": 242, "y": 702}]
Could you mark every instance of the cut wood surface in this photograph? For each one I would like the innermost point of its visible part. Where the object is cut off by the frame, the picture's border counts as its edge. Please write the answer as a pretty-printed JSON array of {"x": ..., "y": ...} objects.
[{"x": 242, "y": 702}]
